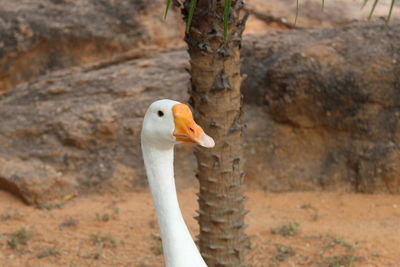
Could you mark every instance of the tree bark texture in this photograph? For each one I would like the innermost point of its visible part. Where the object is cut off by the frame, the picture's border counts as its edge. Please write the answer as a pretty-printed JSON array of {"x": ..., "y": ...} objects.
[{"x": 216, "y": 99}]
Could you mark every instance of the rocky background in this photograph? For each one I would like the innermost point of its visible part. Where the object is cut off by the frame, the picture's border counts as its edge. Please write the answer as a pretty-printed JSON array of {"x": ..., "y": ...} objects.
[{"x": 321, "y": 101}]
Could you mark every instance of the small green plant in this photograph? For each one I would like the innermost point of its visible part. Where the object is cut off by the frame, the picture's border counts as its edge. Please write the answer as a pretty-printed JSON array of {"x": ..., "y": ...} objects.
[
  {"x": 283, "y": 252},
  {"x": 97, "y": 253},
  {"x": 157, "y": 247},
  {"x": 10, "y": 214},
  {"x": 20, "y": 237},
  {"x": 315, "y": 215},
  {"x": 105, "y": 217},
  {"x": 103, "y": 241},
  {"x": 158, "y": 250},
  {"x": 108, "y": 216},
  {"x": 52, "y": 206},
  {"x": 248, "y": 244},
  {"x": 289, "y": 229},
  {"x": 337, "y": 241},
  {"x": 13, "y": 242},
  {"x": 48, "y": 252},
  {"x": 339, "y": 261}
]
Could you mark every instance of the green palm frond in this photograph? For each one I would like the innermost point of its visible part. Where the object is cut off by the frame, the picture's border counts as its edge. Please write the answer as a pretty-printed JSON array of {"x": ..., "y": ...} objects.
[
  {"x": 374, "y": 7},
  {"x": 168, "y": 4},
  {"x": 192, "y": 7},
  {"x": 227, "y": 9},
  {"x": 390, "y": 11},
  {"x": 365, "y": 2}
]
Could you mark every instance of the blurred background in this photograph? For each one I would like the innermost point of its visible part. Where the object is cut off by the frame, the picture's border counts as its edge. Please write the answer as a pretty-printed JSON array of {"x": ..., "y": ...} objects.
[{"x": 322, "y": 115}]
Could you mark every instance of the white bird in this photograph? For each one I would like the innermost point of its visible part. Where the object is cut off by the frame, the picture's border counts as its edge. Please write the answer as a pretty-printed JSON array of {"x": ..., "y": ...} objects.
[{"x": 165, "y": 124}]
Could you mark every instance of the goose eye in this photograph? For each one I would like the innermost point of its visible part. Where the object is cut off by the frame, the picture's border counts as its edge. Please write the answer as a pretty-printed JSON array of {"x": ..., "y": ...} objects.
[{"x": 160, "y": 113}]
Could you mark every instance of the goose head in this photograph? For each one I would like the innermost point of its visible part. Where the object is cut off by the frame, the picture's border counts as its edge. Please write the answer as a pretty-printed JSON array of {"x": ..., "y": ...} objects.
[{"x": 168, "y": 122}]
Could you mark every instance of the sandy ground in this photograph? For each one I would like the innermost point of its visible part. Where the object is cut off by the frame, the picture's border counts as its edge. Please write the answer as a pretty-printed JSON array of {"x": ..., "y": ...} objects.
[{"x": 290, "y": 229}]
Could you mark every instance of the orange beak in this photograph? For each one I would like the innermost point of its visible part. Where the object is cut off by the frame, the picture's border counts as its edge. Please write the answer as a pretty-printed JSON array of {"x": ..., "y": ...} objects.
[{"x": 186, "y": 129}]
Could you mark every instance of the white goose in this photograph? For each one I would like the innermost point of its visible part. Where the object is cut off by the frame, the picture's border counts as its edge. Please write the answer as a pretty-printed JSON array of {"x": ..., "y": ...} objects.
[{"x": 165, "y": 124}]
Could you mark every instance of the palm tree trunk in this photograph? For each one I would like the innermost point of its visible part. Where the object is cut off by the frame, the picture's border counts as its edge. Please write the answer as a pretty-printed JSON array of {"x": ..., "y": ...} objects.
[{"x": 216, "y": 99}]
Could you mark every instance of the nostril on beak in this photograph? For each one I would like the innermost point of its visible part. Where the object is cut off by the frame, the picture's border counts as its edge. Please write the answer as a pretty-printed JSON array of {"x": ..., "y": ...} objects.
[{"x": 191, "y": 129}]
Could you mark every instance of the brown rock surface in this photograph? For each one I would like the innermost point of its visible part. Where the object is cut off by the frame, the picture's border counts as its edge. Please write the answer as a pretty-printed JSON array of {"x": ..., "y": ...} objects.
[
  {"x": 46, "y": 35},
  {"x": 320, "y": 113},
  {"x": 332, "y": 113},
  {"x": 84, "y": 123}
]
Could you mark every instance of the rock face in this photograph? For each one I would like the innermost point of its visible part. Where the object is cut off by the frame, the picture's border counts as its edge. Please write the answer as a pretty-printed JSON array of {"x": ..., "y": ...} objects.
[
  {"x": 78, "y": 128},
  {"x": 320, "y": 113},
  {"x": 46, "y": 35},
  {"x": 332, "y": 101}
]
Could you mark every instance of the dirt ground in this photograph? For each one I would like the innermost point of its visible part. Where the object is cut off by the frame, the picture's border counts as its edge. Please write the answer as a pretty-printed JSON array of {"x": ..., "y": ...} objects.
[{"x": 286, "y": 229}]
